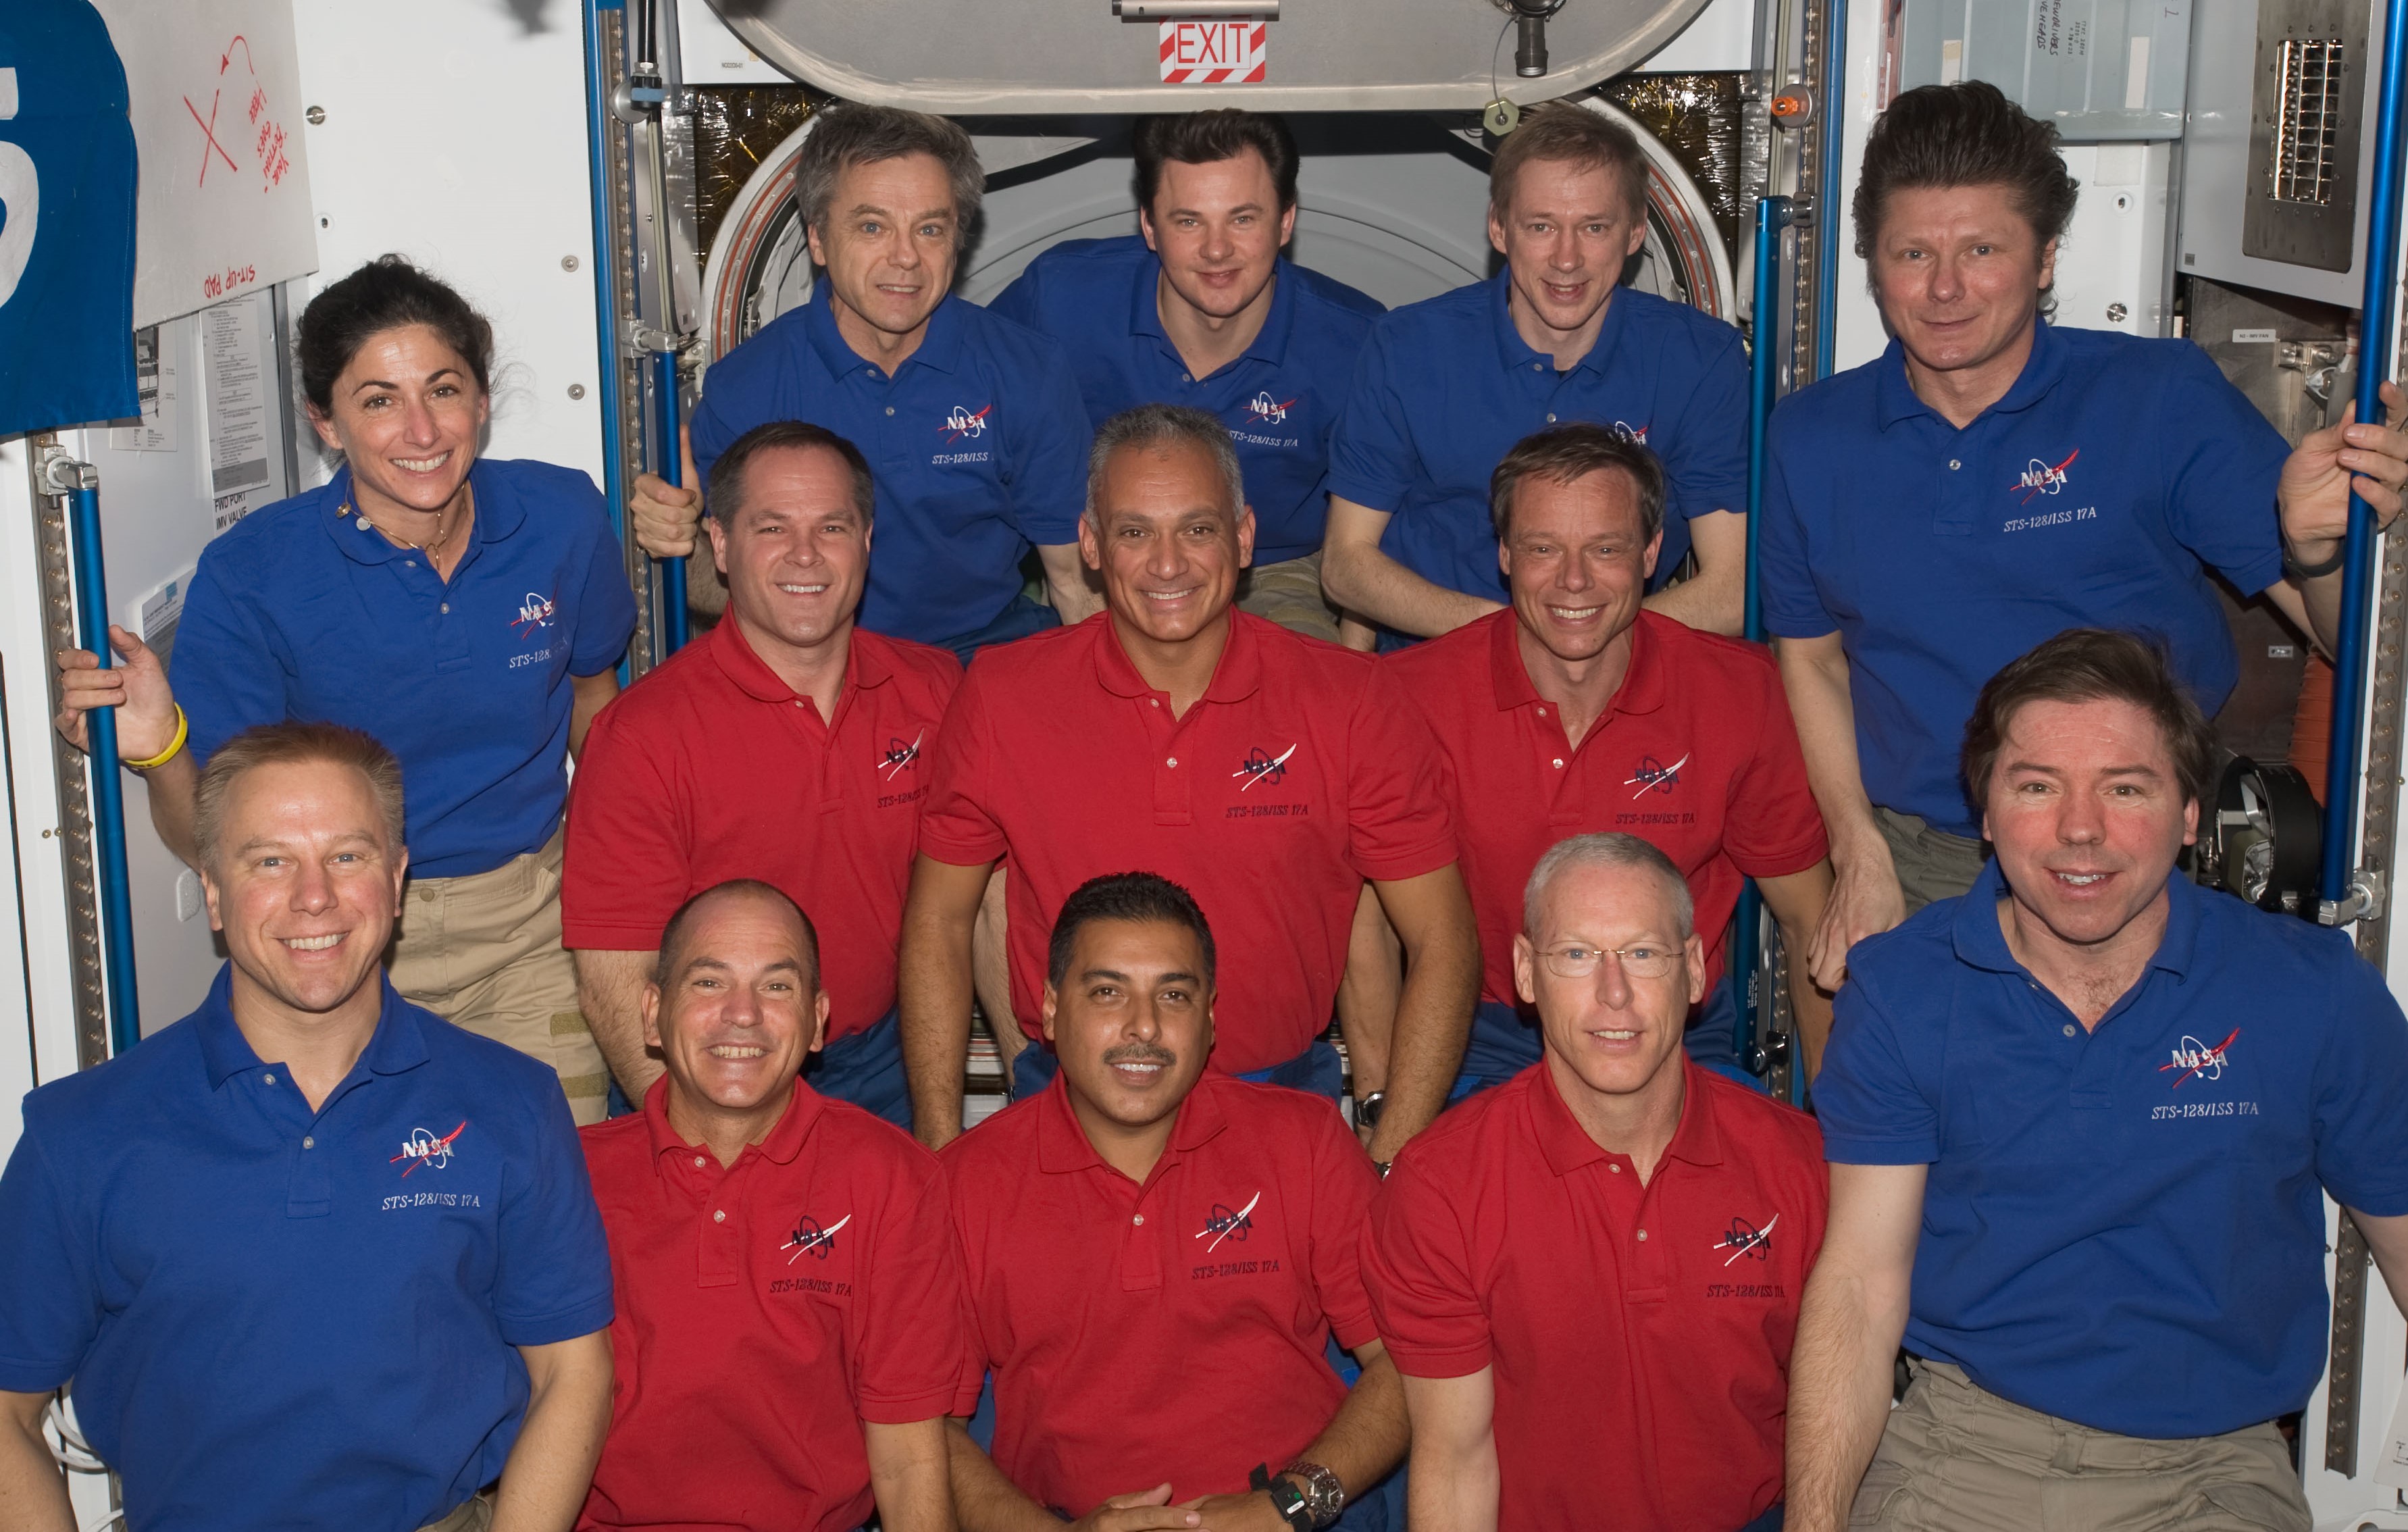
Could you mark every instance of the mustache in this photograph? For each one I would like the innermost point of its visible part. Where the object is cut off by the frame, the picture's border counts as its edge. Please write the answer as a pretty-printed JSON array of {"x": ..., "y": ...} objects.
[{"x": 1141, "y": 1053}]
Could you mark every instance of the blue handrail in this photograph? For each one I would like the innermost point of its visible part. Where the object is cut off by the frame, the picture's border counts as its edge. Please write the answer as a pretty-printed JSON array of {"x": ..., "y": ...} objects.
[
  {"x": 1827, "y": 200},
  {"x": 606, "y": 267},
  {"x": 672, "y": 461},
  {"x": 108, "y": 787},
  {"x": 2343, "y": 768},
  {"x": 1772, "y": 215}
]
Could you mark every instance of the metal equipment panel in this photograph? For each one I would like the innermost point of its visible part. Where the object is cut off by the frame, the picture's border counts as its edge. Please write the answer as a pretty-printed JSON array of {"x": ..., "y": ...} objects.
[
  {"x": 2305, "y": 100},
  {"x": 2099, "y": 69},
  {"x": 1079, "y": 56}
]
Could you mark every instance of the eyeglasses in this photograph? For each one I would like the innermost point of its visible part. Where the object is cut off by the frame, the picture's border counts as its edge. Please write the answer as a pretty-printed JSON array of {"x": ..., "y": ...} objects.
[{"x": 1577, "y": 961}]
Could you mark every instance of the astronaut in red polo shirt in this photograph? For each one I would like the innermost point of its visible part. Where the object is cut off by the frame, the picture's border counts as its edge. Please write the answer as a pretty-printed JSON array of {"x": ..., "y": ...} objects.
[
  {"x": 789, "y": 1294},
  {"x": 786, "y": 745},
  {"x": 1270, "y": 773},
  {"x": 1575, "y": 711},
  {"x": 1156, "y": 1256},
  {"x": 1589, "y": 1276}
]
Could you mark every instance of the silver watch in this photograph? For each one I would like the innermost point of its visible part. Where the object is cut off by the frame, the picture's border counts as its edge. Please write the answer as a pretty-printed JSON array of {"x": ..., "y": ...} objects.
[{"x": 1324, "y": 1495}]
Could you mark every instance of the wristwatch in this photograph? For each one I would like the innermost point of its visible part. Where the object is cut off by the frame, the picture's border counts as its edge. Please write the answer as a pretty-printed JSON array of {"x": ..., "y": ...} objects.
[
  {"x": 1292, "y": 1504},
  {"x": 1369, "y": 1107},
  {"x": 1324, "y": 1495}
]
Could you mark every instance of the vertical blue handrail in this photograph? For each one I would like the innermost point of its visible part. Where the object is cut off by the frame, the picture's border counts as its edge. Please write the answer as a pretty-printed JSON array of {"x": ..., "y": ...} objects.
[
  {"x": 2343, "y": 768},
  {"x": 1832, "y": 109},
  {"x": 606, "y": 268},
  {"x": 672, "y": 460},
  {"x": 1772, "y": 215},
  {"x": 108, "y": 787}
]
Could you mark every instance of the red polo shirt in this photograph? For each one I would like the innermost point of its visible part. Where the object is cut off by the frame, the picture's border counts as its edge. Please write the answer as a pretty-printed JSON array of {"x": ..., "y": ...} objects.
[
  {"x": 1640, "y": 1334},
  {"x": 764, "y": 1311},
  {"x": 1696, "y": 755},
  {"x": 1300, "y": 773},
  {"x": 711, "y": 768},
  {"x": 1175, "y": 1330}
]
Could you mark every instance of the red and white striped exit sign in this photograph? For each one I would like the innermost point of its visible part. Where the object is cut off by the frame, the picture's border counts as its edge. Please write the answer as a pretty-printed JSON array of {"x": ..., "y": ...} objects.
[{"x": 1225, "y": 51}]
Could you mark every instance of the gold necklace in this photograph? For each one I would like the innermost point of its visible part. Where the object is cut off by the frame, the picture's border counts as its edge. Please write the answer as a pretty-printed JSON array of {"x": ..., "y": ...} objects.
[{"x": 433, "y": 548}]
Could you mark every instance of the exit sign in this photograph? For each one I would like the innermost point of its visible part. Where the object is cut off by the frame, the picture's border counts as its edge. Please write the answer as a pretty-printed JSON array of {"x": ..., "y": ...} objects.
[{"x": 1225, "y": 51}]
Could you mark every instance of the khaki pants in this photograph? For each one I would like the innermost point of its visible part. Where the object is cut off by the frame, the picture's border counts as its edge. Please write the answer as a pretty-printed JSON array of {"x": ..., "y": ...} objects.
[
  {"x": 1957, "y": 1458},
  {"x": 1932, "y": 864},
  {"x": 1289, "y": 594},
  {"x": 473, "y": 1514},
  {"x": 483, "y": 952}
]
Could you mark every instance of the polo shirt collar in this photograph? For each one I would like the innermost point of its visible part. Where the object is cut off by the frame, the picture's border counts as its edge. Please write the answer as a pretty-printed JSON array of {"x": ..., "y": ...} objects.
[
  {"x": 1516, "y": 354},
  {"x": 1895, "y": 400},
  {"x": 940, "y": 348},
  {"x": 742, "y": 664},
  {"x": 1696, "y": 1141},
  {"x": 1979, "y": 941},
  {"x": 1643, "y": 689},
  {"x": 783, "y": 1143},
  {"x": 397, "y": 1045},
  {"x": 1270, "y": 344},
  {"x": 1237, "y": 677},
  {"x": 1062, "y": 1145},
  {"x": 499, "y": 513}
]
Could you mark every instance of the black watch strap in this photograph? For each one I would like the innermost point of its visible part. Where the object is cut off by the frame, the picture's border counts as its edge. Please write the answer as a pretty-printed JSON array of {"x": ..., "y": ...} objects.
[
  {"x": 2297, "y": 570},
  {"x": 1286, "y": 1498}
]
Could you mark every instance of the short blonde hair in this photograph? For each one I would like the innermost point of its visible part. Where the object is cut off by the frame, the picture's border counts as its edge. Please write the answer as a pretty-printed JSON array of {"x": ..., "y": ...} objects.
[{"x": 291, "y": 743}]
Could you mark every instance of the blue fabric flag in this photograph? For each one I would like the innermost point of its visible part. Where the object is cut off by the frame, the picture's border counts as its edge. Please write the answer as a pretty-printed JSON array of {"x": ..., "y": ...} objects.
[{"x": 66, "y": 220}]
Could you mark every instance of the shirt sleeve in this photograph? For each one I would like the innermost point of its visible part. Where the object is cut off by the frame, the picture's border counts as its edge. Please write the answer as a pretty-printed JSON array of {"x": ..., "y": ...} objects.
[
  {"x": 606, "y": 603},
  {"x": 1772, "y": 827},
  {"x": 229, "y": 672},
  {"x": 1048, "y": 449},
  {"x": 629, "y": 858},
  {"x": 958, "y": 824},
  {"x": 1398, "y": 822},
  {"x": 1871, "y": 1109},
  {"x": 554, "y": 1278},
  {"x": 2361, "y": 1092},
  {"x": 52, "y": 1312},
  {"x": 1417, "y": 1269},
  {"x": 1371, "y": 456},
  {"x": 1343, "y": 1187},
  {"x": 976, "y": 1356},
  {"x": 1022, "y": 302},
  {"x": 910, "y": 1310},
  {"x": 1705, "y": 463},
  {"x": 1793, "y": 607},
  {"x": 2222, "y": 460}
]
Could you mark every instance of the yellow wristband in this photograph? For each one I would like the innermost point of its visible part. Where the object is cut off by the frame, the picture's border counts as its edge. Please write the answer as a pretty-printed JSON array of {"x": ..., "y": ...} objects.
[{"x": 182, "y": 728}]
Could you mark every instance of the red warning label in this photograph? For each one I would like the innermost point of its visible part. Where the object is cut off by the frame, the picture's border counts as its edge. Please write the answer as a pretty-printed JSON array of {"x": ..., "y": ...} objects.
[{"x": 1225, "y": 50}]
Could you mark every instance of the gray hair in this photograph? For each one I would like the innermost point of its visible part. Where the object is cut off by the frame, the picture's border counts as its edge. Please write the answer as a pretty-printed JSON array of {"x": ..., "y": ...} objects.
[
  {"x": 1160, "y": 426},
  {"x": 850, "y": 135},
  {"x": 1607, "y": 849}
]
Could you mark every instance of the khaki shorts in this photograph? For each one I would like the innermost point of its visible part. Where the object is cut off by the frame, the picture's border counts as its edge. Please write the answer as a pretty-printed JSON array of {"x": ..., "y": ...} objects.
[
  {"x": 1957, "y": 1458},
  {"x": 1289, "y": 594},
  {"x": 483, "y": 952},
  {"x": 1932, "y": 864},
  {"x": 473, "y": 1514}
]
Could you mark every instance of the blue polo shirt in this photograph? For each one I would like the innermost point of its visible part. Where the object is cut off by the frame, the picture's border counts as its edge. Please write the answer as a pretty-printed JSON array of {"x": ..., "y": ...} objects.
[
  {"x": 1100, "y": 299},
  {"x": 978, "y": 444},
  {"x": 1447, "y": 386},
  {"x": 303, "y": 610},
  {"x": 2092, "y": 495},
  {"x": 2125, "y": 1226},
  {"x": 281, "y": 1318}
]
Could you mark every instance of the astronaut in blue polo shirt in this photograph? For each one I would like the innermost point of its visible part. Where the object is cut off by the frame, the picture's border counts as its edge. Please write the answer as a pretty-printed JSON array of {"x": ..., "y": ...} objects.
[
  {"x": 2082, "y": 1122},
  {"x": 417, "y": 1333},
  {"x": 1447, "y": 386},
  {"x": 1992, "y": 480},
  {"x": 1201, "y": 308},
  {"x": 972, "y": 423}
]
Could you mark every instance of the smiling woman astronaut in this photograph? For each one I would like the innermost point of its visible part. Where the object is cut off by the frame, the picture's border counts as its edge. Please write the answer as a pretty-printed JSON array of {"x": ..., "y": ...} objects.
[{"x": 469, "y": 614}]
